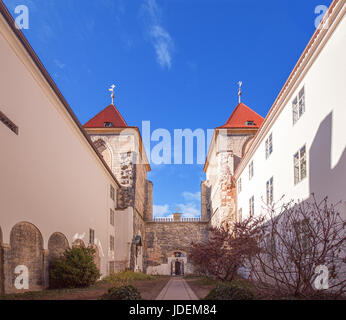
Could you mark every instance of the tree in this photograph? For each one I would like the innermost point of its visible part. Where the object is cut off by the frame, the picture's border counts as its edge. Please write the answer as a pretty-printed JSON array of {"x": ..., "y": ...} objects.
[
  {"x": 302, "y": 251},
  {"x": 227, "y": 249},
  {"x": 75, "y": 269}
]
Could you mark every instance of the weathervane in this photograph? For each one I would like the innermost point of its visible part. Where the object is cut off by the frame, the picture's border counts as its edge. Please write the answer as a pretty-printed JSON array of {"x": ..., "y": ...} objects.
[
  {"x": 111, "y": 89},
  {"x": 240, "y": 83}
]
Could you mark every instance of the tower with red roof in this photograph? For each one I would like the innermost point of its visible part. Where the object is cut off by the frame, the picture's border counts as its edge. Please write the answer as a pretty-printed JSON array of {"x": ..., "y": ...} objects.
[
  {"x": 122, "y": 149},
  {"x": 229, "y": 144}
]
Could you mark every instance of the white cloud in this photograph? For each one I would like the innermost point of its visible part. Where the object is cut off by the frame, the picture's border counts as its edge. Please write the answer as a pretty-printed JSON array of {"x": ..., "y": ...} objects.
[
  {"x": 192, "y": 196},
  {"x": 160, "y": 38},
  {"x": 59, "y": 64},
  {"x": 189, "y": 210},
  {"x": 160, "y": 211},
  {"x": 163, "y": 45}
]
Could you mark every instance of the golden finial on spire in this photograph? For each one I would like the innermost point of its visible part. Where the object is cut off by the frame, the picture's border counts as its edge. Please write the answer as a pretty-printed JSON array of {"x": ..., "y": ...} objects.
[
  {"x": 240, "y": 83},
  {"x": 111, "y": 89}
]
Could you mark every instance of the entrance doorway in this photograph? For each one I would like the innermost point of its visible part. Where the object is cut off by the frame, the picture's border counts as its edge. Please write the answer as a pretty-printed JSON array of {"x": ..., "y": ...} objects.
[
  {"x": 177, "y": 264},
  {"x": 178, "y": 268}
]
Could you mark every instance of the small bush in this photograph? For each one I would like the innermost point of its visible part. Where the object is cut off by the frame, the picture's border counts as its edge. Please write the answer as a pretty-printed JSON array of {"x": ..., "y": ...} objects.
[
  {"x": 122, "y": 293},
  {"x": 231, "y": 291},
  {"x": 75, "y": 269}
]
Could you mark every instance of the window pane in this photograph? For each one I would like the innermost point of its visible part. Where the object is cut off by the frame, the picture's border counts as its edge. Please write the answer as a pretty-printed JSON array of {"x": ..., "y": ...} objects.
[
  {"x": 302, "y": 163},
  {"x": 296, "y": 168},
  {"x": 271, "y": 190},
  {"x": 295, "y": 110},
  {"x": 301, "y": 102}
]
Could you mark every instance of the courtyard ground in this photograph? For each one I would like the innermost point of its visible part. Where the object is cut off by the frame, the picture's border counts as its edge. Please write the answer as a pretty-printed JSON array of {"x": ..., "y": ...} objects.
[
  {"x": 177, "y": 289},
  {"x": 201, "y": 286},
  {"x": 149, "y": 290}
]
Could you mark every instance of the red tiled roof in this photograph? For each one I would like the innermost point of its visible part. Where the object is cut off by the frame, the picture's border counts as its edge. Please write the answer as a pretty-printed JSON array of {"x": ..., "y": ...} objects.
[
  {"x": 109, "y": 114},
  {"x": 241, "y": 115}
]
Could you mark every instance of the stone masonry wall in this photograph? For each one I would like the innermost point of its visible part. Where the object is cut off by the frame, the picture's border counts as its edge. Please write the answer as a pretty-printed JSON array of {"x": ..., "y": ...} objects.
[
  {"x": 123, "y": 157},
  {"x": 163, "y": 239},
  {"x": 219, "y": 191},
  {"x": 148, "y": 213}
]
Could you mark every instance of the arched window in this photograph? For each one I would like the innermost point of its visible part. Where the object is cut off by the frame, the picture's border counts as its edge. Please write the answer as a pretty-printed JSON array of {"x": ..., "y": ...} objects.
[{"x": 178, "y": 254}]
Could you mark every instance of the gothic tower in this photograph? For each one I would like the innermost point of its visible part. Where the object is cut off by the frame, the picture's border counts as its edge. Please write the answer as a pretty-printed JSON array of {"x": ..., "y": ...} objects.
[
  {"x": 121, "y": 147},
  {"x": 229, "y": 144}
]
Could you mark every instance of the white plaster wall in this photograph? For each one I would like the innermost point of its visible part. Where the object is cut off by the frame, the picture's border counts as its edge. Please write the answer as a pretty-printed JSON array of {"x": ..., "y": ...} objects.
[
  {"x": 321, "y": 128},
  {"x": 49, "y": 174},
  {"x": 123, "y": 235}
]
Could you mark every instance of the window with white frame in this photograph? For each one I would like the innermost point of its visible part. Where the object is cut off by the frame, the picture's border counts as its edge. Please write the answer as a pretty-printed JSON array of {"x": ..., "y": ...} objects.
[
  {"x": 111, "y": 217},
  {"x": 91, "y": 236},
  {"x": 239, "y": 186},
  {"x": 111, "y": 243},
  {"x": 252, "y": 206},
  {"x": 298, "y": 105},
  {"x": 112, "y": 193},
  {"x": 270, "y": 190},
  {"x": 303, "y": 235},
  {"x": 269, "y": 146},
  {"x": 251, "y": 170},
  {"x": 111, "y": 267},
  {"x": 240, "y": 215},
  {"x": 270, "y": 242},
  {"x": 300, "y": 167}
]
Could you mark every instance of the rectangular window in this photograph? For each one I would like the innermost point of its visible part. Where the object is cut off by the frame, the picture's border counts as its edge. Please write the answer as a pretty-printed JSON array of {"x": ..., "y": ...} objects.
[
  {"x": 91, "y": 236},
  {"x": 302, "y": 233},
  {"x": 111, "y": 267},
  {"x": 300, "y": 167},
  {"x": 239, "y": 185},
  {"x": 298, "y": 105},
  {"x": 112, "y": 194},
  {"x": 111, "y": 217},
  {"x": 270, "y": 243},
  {"x": 111, "y": 243},
  {"x": 252, "y": 206},
  {"x": 295, "y": 110},
  {"x": 8, "y": 123},
  {"x": 270, "y": 191},
  {"x": 240, "y": 215},
  {"x": 269, "y": 146},
  {"x": 251, "y": 171},
  {"x": 301, "y": 102}
]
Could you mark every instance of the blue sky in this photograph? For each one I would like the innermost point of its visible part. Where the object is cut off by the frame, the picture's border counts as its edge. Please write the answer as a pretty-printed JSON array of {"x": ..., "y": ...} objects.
[{"x": 176, "y": 63}]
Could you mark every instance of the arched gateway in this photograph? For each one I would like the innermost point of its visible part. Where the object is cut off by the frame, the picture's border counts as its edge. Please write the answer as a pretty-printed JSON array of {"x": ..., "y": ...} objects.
[{"x": 177, "y": 264}]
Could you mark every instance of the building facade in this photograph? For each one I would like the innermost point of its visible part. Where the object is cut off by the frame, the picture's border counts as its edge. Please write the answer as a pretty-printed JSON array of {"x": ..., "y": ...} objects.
[
  {"x": 56, "y": 190},
  {"x": 299, "y": 148},
  {"x": 63, "y": 184}
]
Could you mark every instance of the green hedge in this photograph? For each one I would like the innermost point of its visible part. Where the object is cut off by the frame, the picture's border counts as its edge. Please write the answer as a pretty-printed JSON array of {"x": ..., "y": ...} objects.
[
  {"x": 122, "y": 293},
  {"x": 230, "y": 291}
]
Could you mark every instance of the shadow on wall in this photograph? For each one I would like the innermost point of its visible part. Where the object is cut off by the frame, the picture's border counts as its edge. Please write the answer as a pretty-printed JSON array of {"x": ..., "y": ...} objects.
[{"x": 323, "y": 179}]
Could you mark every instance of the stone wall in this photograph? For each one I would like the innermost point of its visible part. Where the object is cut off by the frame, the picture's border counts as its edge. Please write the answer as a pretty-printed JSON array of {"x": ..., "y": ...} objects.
[
  {"x": 165, "y": 238},
  {"x": 219, "y": 190},
  {"x": 148, "y": 213},
  {"x": 122, "y": 155},
  {"x": 26, "y": 250}
]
